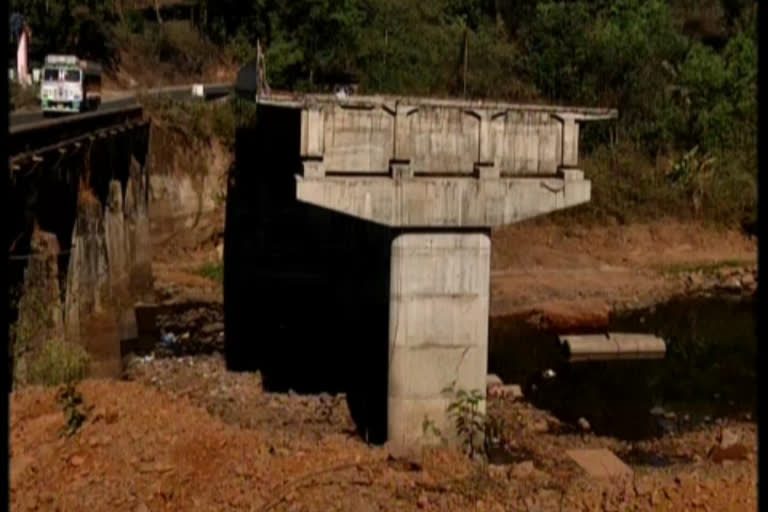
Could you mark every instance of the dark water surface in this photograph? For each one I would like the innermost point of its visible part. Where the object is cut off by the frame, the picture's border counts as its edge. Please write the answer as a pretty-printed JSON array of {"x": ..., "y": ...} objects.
[{"x": 710, "y": 370}]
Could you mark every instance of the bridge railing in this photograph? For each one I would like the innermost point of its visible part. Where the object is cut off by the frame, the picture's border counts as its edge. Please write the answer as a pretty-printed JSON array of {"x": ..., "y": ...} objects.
[
  {"x": 32, "y": 137},
  {"x": 372, "y": 135}
]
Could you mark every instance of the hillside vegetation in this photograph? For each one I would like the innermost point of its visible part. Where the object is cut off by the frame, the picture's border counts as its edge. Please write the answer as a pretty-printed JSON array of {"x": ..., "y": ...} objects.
[{"x": 682, "y": 73}]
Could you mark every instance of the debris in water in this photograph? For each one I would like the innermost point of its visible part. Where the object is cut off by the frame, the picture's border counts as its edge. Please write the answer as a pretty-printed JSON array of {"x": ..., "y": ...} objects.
[
  {"x": 549, "y": 374},
  {"x": 168, "y": 338}
]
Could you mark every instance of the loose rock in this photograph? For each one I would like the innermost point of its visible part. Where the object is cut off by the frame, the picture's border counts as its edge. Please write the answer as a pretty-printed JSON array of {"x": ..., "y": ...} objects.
[
  {"x": 523, "y": 469},
  {"x": 728, "y": 438},
  {"x": 732, "y": 284},
  {"x": 512, "y": 391}
]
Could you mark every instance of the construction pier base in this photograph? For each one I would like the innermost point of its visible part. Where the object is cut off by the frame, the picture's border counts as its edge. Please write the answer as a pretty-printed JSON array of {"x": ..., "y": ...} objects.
[{"x": 357, "y": 255}]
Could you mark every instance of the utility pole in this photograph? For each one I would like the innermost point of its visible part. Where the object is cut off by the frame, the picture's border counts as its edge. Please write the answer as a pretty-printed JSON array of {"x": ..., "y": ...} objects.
[
  {"x": 466, "y": 58},
  {"x": 386, "y": 46},
  {"x": 262, "y": 87}
]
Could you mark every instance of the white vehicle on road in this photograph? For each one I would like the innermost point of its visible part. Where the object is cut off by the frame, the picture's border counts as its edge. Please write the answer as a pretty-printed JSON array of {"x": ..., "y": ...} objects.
[{"x": 69, "y": 85}]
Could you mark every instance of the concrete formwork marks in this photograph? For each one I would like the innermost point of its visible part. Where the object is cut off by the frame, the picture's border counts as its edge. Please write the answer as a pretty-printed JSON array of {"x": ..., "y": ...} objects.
[
  {"x": 441, "y": 138},
  {"x": 438, "y": 328}
]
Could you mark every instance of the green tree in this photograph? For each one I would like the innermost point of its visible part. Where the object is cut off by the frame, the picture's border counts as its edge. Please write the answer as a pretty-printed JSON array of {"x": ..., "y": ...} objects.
[{"x": 82, "y": 27}]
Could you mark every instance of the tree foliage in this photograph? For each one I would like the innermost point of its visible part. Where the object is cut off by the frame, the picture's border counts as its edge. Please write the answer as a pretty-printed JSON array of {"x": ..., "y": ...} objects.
[
  {"x": 81, "y": 27},
  {"x": 683, "y": 73}
]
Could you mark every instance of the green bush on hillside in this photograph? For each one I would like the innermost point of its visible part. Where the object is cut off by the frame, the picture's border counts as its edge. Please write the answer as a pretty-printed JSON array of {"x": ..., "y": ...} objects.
[
  {"x": 58, "y": 362},
  {"x": 682, "y": 73}
]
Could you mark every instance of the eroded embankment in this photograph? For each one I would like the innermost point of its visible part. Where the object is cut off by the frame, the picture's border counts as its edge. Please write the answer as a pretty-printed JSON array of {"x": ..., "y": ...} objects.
[{"x": 189, "y": 162}]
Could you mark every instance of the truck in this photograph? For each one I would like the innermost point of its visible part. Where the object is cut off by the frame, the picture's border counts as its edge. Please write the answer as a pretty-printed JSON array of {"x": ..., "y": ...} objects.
[{"x": 69, "y": 85}]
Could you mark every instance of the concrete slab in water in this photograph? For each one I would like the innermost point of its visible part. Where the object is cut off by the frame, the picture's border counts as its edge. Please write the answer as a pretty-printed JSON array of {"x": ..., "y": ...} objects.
[{"x": 600, "y": 463}]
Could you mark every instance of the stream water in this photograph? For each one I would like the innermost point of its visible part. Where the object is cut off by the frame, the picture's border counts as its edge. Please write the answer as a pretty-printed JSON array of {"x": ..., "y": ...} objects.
[{"x": 709, "y": 372}]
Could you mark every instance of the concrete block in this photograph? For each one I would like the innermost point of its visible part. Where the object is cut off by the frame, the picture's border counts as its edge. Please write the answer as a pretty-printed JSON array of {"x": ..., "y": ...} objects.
[
  {"x": 487, "y": 171},
  {"x": 447, "y": 325},
  {"x": 433, "y": 265},
  {"x": 401, "y": 169},
  {"x": 312, "y": 132},
  {"x": 600, "y": 463},
  {"x": 406, "y": 419},
  {"x": 571, "y": 174},
  {"x": 313, "y": 168},
  {"x": 435, "y": 278},
  {"x": 492, "y": 380},
  {"x": 443, "y": 202},
  {"x": 425, "y": 372}
]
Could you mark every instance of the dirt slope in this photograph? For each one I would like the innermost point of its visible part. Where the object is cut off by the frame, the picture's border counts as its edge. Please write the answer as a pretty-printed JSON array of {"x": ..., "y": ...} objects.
[{"x": 185, "y": 438}]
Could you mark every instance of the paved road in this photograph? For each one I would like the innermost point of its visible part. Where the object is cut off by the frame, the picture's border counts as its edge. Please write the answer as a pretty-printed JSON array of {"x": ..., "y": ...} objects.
[{"x": 212, "y": 91}]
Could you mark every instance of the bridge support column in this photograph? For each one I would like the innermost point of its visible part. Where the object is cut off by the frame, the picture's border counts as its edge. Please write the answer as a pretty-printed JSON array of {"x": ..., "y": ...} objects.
[{"x": 438, "y": 329}]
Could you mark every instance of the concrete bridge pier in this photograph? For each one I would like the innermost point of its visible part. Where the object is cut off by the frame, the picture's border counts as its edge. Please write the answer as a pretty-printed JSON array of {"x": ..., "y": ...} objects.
[
  {"x": 437, "y": 175},
  {"x": 438, "y": 328}
]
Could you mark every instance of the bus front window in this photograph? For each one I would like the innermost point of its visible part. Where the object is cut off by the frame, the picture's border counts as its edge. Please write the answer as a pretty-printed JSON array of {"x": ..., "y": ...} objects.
[
  {"x": 50, "y": 75},
  {"x": 72, "y": 75}
]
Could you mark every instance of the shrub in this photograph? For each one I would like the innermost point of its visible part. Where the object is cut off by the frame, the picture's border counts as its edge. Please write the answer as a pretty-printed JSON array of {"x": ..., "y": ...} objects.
[
  {"x": 58, "y": 362},
  {"x": 71, "y": 402},
  {"x": 478, "y": 432},
  {"x": 212, "y": 271},
  {"x": 134, "y": 21},
  {"x": 24, "y": 96}
]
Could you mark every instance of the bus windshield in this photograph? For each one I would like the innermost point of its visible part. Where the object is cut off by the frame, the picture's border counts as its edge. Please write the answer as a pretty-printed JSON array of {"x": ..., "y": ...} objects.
[
  {"x": 72, "y": 75},
  {"x": 50, "y": 75}
]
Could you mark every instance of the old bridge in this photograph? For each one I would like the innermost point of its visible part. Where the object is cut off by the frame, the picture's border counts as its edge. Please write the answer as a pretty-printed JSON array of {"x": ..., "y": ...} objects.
[{"x": 79, "y": 233}]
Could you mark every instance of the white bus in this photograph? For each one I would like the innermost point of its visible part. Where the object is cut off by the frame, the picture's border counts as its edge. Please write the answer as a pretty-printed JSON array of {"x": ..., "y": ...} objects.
[{"x": 69, "y": 85}]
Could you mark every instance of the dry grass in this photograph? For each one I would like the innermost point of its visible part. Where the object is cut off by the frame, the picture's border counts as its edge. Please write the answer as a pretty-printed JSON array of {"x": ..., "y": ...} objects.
[{"x": 58, "y": 362}]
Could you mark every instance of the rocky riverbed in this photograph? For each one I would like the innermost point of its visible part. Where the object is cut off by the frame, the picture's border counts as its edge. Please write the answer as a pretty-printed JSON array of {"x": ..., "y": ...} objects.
[
  {"x": 185, "y": 434},
  {"x": 180, "y": 432}
]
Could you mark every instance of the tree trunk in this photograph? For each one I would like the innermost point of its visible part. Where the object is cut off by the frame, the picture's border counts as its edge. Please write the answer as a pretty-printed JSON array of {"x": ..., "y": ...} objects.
[
  {"x": 119, "y": 10},
  {"x": 157, "y": 13}
]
